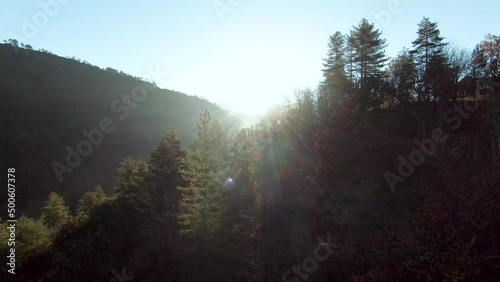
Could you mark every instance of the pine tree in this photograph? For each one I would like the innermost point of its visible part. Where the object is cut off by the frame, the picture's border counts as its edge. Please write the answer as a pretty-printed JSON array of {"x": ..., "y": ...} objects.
[
  {"x": 33, "y": 238},
  {"x": 161, "y": 201},
  {"x": 164, "y": 165},
  {"x": 369, "y": 58},
  {"x": 89, "y": 201},
  {"x": 130, "y": 178},
  {"x": 428, "y": 53},
  {"x": 205, "y": 170},
  {"x": 336, "y": 87},
  {"x": 350, "y": 70},
  {"x": 403, "y": 75},
  {"x": 334, "y": 63},
  {"x": 55, "y": 212}
]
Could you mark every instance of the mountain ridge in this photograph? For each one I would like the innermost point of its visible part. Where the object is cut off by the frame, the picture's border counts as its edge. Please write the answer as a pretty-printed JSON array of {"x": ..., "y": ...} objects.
[{"x": 49, "y": 101}]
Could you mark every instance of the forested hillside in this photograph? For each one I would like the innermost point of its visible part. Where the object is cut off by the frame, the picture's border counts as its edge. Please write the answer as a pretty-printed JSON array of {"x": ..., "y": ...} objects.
[
  {"x": 47, "y": 101},
  {"x": 388, "y": 171}
]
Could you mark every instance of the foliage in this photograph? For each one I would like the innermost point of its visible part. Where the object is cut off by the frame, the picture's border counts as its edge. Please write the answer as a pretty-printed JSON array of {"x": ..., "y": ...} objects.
[
  {"x": 55, "y": 212},
  {"x": 256, "y": 204},
  {"x": 89, "y": 201}
]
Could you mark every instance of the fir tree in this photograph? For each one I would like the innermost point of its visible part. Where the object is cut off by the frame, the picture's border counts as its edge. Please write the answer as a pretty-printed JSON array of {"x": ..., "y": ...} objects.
[
  {"x": 89, "y": 201},
  {"x": 164, "y": 175},
  {"x": 335, "y": 62},
  {"x": 205, "y": 170},
  {"x": 428, "y": 51},
  {"x": 369, "y": 58},
  {"x": 403, "y": 75},
  {"x": 130, "y": 180},
  {"x": 55, "y": 212}
]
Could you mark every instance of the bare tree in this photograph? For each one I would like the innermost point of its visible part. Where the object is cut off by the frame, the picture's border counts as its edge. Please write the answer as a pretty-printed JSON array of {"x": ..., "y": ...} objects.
[{"x": 459, "y": 59}]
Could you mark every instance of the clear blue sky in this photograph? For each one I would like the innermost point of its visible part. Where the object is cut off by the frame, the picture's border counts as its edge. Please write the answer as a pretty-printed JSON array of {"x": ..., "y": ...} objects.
[{"x": 244, "y": 59}]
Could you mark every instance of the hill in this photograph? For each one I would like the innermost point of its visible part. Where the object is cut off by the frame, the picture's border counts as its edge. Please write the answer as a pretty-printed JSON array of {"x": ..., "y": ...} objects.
[{"x": 53, "y": 107}]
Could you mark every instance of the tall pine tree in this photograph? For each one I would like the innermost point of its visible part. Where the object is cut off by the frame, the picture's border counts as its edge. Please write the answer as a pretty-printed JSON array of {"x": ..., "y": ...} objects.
[
  {"x": 205, "y": 170},
  {"x": 428, "y": 51},
  {"x": 161, "y": 201},
  {"x": 369, "y": 59},
  {"x": 334, "y": 63},
  {"x": 164, "y": 165}
]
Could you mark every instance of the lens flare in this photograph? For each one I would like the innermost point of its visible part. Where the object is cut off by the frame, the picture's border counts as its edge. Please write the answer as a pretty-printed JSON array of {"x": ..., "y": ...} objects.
[{"x": 229, "y": 183}]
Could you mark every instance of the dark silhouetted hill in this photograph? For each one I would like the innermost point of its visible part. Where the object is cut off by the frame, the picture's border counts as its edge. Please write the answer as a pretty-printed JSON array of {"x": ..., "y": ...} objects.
[{"x": 46, "y": 103}]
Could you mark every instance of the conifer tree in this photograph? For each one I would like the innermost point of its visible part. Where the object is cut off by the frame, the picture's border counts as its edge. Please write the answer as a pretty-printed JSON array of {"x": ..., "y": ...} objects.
[
  {"x": 334, "y": 63},
  {"x": 130, "y": 179},
  {"x": 164, "y": 175},
  {"x": 205, "y": 170},
  {"x": 55, "y": 212},
  {"x": 349, "y": 56},
  {"x": 33, "y": 238},
  {"x": 369, "y": 58},
  {"x": 336, "y": 87},
  {"x": 89, "y": 201},
  {"x": 428, "y": 51},
  {"x": 403, "y": 75},
  {"x": 161, "y": 201}
]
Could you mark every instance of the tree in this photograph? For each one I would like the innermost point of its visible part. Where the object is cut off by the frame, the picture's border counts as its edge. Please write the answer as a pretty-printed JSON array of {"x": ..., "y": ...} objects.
[
  {"x": 203, "y": 213},
  {"x": 205, "y": 171},
  {"x": 475, "y": 71},
  {"x": 33, "y": 238},
  {"x": 55, "y": 212},
  {"x": 130, "y": 179},
  {"x": 12, "y": 42},
  {"x": 369, "y": 58},
  {"x": 336, "y": 88},
  {"x": 349, "y": 54},
  {"x": 164, "y": 165},
  {"x": 89, "y": 201},
  {"x": 441, "y": 78},
  {"x": 490, "y": 51},
  {"x": 334, "y": 63},
  {"x": 428, "y": 49},
  {"x": 302, "y": 114},
  {"x": 459, "y": 60},
  {"x": 403, "y": 75},
  {"x": 162, "y": 198}
]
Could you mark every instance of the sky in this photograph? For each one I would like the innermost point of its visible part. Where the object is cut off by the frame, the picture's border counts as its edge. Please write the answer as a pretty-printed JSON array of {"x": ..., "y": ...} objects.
[{"x": 244, "y": 55}]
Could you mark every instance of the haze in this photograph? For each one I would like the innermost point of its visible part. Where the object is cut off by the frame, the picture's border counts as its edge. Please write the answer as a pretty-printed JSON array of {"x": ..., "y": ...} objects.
[{"x": 243, "y": 55}]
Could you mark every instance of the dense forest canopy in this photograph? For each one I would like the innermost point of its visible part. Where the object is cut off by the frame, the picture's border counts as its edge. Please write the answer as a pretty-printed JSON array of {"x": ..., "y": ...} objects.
[{"x": 388, "y": 171}]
